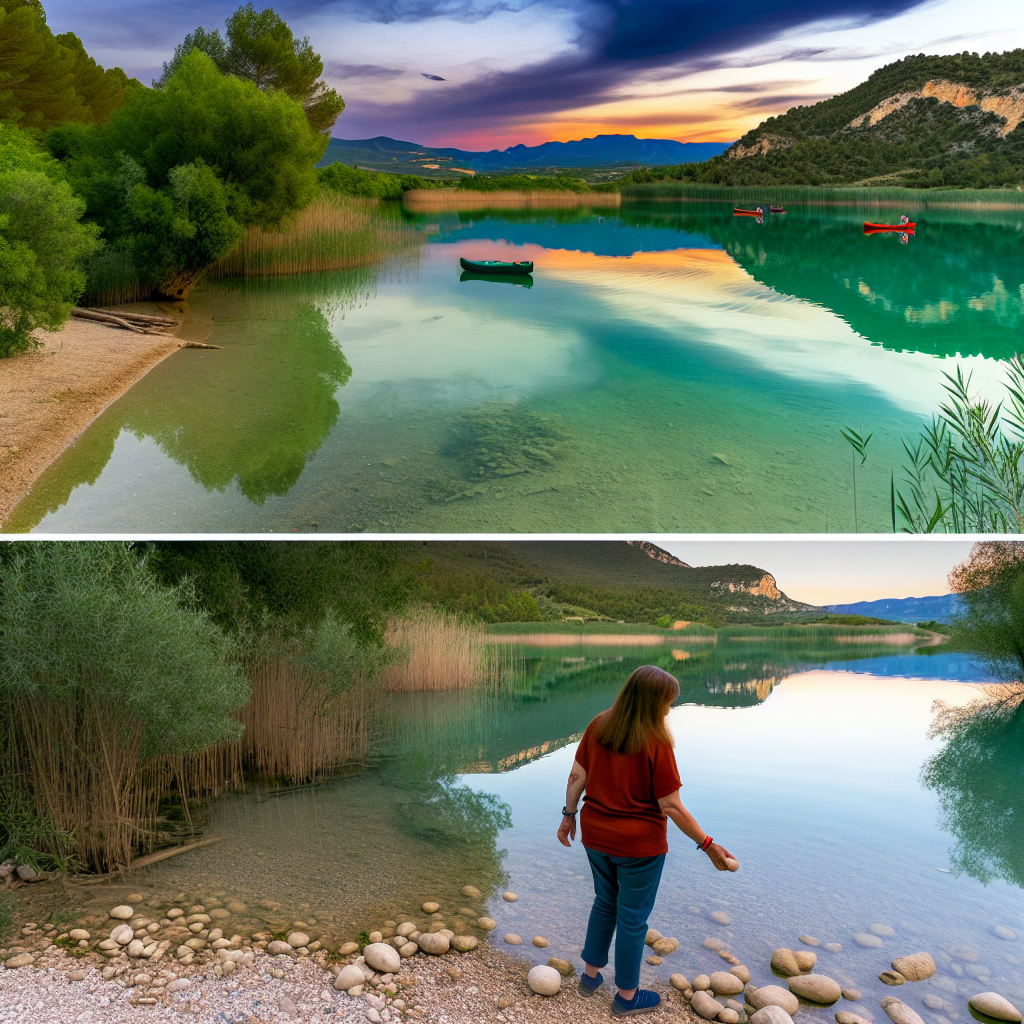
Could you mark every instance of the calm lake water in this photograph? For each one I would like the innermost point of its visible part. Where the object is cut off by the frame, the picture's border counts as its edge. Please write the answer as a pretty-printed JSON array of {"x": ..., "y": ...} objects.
[
  {"x": 803, "y": 761},
  {"x": 672, "y": 368}
]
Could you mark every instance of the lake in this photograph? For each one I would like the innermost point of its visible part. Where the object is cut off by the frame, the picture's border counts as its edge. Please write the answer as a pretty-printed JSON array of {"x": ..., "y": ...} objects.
[
  {"x": 671, "y": 368},
  {"x": 806, "y": 761}
]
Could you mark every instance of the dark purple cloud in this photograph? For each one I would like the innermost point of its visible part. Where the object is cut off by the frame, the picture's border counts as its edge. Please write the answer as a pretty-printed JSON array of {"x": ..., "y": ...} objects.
[{"x": 618, "y": 42}]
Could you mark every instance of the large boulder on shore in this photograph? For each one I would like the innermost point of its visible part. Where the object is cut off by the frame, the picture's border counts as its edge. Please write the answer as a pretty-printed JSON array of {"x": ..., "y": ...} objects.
[
  {"x": 992, "y": 1004},
  {"x": 432, "y": 942},
  {"x": 544, "y": 980},
  {"x": 816, "y": 988},
  {"x": 772, "y": 995},
  {"x": 383, "y": 958},
  {"x": 705, "y": 1005}
]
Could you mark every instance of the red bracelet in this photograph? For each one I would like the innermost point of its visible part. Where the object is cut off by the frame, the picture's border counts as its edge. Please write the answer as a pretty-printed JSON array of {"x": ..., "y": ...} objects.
[{"x": 707, "y": 842}]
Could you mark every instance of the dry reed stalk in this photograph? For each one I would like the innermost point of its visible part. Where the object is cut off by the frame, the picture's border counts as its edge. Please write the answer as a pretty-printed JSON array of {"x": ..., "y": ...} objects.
[
  {"x": 85, "y": 773},
  {"x": 330, "y": 234},
  {"x": 295, "y": 729},
  {"x": 444, "y": 653}
]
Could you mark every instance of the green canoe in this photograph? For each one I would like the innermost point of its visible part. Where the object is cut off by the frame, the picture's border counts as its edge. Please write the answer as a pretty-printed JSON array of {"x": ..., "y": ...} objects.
[{"x": 497, "y": 266}]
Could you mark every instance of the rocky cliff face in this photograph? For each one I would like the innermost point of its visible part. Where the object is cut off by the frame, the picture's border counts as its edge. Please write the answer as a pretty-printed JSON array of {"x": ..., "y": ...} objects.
[
  {"x": 658, "y": 554},
  {"x": 1008, "y": 105}
]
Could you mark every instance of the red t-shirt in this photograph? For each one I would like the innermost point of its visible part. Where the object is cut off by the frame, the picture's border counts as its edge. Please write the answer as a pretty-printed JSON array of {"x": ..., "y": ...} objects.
[{"x": 620, "y": 813}]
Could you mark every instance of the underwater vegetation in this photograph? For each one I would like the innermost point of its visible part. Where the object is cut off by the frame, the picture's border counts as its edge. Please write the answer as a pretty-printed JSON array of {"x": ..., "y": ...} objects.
[{"x": 502, "y": 439}]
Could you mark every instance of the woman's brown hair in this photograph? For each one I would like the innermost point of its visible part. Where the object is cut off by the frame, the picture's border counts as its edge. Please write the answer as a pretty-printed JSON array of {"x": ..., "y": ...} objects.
[{"x": 638, "y": 715}]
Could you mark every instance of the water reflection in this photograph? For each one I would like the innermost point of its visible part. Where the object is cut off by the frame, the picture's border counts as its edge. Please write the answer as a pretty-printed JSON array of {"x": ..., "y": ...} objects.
[{"x": 978, "y": 776}]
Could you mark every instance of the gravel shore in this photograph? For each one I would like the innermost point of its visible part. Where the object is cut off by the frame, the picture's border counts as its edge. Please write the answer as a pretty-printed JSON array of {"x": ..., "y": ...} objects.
[{"x": 455, "y": 988}]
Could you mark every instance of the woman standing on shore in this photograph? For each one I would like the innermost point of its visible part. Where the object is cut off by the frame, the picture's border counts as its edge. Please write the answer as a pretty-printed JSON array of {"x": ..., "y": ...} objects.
[{"x": 626, "y": 765}]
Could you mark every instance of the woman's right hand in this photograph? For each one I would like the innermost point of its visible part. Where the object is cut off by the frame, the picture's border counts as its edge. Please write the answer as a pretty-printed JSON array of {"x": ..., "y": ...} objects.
[{"x": 718, "y": 855}]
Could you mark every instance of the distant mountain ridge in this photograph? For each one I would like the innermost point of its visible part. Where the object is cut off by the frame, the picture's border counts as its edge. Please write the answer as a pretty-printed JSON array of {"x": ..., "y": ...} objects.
[
  {"x": 924, "y": 121},
  {"x": 904, "y": 609},
  {"x": 383, "y": 153}
]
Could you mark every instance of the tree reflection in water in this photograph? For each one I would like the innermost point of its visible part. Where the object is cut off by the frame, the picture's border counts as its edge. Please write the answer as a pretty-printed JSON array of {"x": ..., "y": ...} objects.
[{"x": 979, "y": 778}]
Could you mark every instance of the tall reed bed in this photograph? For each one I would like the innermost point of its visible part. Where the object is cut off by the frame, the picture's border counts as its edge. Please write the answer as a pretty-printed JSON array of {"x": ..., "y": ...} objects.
[
  {"x": 112, "y": 280},
  {"x": 332, "y": 233},
  {"x": 444, "y": 652},
  {"x": 824, "y": 196}
]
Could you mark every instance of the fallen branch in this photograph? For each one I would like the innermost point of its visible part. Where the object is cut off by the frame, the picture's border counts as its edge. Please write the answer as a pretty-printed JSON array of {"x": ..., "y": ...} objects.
[
  {"x": 198, "y": 344},
  {"x": 144, "y": 862},
  {"x": 139, "y": 323},
  {"x": 142, "y": 318}
]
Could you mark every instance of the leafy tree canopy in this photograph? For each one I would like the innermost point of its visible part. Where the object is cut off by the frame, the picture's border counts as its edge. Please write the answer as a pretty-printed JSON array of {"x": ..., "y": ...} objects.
[
  {"x": 352, "y": 181},
  {"x": 43, "y": 244},
  {"x": 259, "y": 47},
  {"x": 177, "y": 173},
  {"x": 46, "y": 79}
]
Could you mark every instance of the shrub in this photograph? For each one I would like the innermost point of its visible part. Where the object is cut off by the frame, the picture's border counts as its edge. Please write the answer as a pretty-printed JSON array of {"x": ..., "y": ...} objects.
[{"x": 43, "y": 244}]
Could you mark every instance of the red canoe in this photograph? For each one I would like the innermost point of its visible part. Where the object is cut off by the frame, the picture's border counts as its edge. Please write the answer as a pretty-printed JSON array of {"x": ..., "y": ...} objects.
[
  {"x": 737, "y": 212},
  {"x": 870, "y": 229}
]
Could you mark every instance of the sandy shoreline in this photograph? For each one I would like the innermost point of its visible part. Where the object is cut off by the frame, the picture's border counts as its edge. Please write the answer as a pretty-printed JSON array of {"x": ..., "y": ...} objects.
[{"x": 51, "y": 394}]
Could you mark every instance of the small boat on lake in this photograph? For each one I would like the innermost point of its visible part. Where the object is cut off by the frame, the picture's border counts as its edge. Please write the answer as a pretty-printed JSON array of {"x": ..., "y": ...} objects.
[
  {"x": 737, "y": 212},
  {"x": 777, "y": 209},
  {"x": 873, "y": 229},
  {"x": 496, "y": 266}
]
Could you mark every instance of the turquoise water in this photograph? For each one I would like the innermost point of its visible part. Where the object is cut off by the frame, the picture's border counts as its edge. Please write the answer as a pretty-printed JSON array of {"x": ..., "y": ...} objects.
[{"x": 671, "y": 369}]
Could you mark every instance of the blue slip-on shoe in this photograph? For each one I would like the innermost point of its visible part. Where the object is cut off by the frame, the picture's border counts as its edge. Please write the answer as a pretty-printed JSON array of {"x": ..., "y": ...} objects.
[
  {"x": 643, "y": 1001},
  {"x": 589, "y": 985}
]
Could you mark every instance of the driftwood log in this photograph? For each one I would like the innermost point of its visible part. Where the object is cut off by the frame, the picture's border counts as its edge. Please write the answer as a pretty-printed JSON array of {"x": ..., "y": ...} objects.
[
  {"x": 140, "y": 323},
  {"x": 144, "y": 862}
]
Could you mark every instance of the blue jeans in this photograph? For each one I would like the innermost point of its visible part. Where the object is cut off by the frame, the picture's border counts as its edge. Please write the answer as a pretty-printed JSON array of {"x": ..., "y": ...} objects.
[{"x": 625, "y": 889}]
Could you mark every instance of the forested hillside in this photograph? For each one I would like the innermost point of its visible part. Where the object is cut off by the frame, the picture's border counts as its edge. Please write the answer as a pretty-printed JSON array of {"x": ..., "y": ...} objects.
[{"x": 924, "y": 121}]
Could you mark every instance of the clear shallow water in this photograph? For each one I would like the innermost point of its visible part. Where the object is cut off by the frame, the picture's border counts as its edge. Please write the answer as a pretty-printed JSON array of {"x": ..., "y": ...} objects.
[
  {"x": 671, "y": 369},
  {"x": 810, "y": 775}
]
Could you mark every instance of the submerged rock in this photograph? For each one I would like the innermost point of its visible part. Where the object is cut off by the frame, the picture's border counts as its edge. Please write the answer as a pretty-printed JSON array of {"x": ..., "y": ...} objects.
[
  {"x": 805, "y": 959},
  {"x": 852, "y": 994},
  {"x": 665, "y": 946},
  {"x": 870, "y": 941},
  {"x": 487, "y": 923},
  {"x": 540, "y": 942},
  {"x": 297, "y": 939},
  {"x": 544, "y": 980},
  {"x": 509, "y": 897},
  {"x": 845, "y": 1017},
  {"x": 655, "y": 961},
  {"x": 833, "y": 947},
  {"x": 882, "y": 929},
  {"x": 742, "y": 972},
  {"x": 122, "y": 913},
  {"x": 891, "y": 978},
  {"x": 431, "y": 908},
  {"x": 916, "y": 967},
  {"x": 564, "y": 968},
  {"x": 512, "y": 939},
  {"x": 652, "y": 936},
  {"x": 720, "y": 917},
  {"x": 810, "y": 940},
  {"x": 348, "y": 948},
  {"x": 898, "y": 1012},
  {"x": 816, "y": 988},
  {"x": 472, "y": 892},
  {"x": 729, "y": 1016},
  {"x": 464, "y": 943},
  {"x": 991, "y": 1004},
  {"x": 784, "y": 963},
  {"x": 713, "y": 944},
  {"x": 1000, "y": 931}
]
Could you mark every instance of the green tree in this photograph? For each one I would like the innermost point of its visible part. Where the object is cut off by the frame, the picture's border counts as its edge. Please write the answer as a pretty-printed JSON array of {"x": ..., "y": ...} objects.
[
  {"x": 46, "y": 79},
  {"x": 260, "y": 48},
  {"x": 177, "y": 172},
  {"x": 43, "y": 244}
]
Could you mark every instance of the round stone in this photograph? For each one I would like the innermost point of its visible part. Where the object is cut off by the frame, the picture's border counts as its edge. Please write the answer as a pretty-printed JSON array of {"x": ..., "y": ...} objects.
[
  {"x": 882, "y": 929},
  {"x": 512, "y": 939},
  {"x": 1000, "y": 931},
  {"x": 348, "y": 977},
  {"x": 122, "y": 913},
  {"x": 729, "y": 1016},
  {"x": 179, "y": 985},
  {"x": 20, "y": 960},
  {"x": 852, "y": 994},
  {"x": 720, "y": 917},
  {"x": 742, "y": 972},
  {"x": 991, "y": 1004},
  {"x": 916, "y": 967},
  {"x": 509, "y": 897},
  {"x": 816, "y": 988},
  {"x": 701, "y": 983},
  {"x": 487, "y": 923},
  {"x": 408, "y": 950},
  {"x": 433, "y": 942},
  {"x": 898, "y": 1012},
  {"x": 540, "y": 942},
  {"x": 652, "y": 936},
  {"x": 655, "y": 961},
  {"x": 810, "y": 940},
  {"x": 891, "y": 978},
  {"x": 870, "y": 941},
  {"x": 275, "y": 948},
  {"x": 805, "y": 959},
  {"x": 431, "y": 908},
  {"x": 845, "y": 1017},
  {"x": 784, "y": 963},
  {"x": 382, "y": 957},
  {"x": 665, "y": 946},
  {"x": 464, "y": 943},
  {"x": 770, "y": 1014},
  {"x": 405, "y": 928},
  {"x": 833, "y": 947},
  {"x": 713, "y": 944},
  {"x": 724, "y": 983},
  {"x": 772, "y": 995},
  {"x": 135, "y": 948},
  {"x": 544, "y": 980},
  {"x": 297, "y": 939},
  {"x": 705, "y": 1005},
  {"x": 348, "y": 948},
  {"x": 678, "y": 981},
  {"x": 78, "y": 934}
]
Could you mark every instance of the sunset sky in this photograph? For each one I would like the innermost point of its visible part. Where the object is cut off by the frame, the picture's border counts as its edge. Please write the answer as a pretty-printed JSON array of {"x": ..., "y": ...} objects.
[{"x": 530, "y": 71}]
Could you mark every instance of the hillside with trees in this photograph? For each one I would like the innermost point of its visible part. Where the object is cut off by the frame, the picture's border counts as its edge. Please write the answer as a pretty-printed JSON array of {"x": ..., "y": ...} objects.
[{"x": 925, "y": 121}]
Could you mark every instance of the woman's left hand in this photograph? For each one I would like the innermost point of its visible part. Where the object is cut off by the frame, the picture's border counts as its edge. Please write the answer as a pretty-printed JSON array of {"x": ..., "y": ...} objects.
[{"x": 567, "y": 830}]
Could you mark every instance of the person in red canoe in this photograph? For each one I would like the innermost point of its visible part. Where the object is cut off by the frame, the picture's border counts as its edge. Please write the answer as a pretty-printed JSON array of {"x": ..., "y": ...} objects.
[
  {"x": 626, "y": 765},
  {"x": 904, "y": 219}
]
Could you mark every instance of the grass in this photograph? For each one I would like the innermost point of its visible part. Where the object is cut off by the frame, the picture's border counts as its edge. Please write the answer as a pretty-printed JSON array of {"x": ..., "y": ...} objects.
[
  {"x": 600, "y": 628},
  {"x": 8, "y": 904},
  {"x": 113, "y": 280},
  {"x": 332, "y": 233},
  {"x": 823, "y": 196}
]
